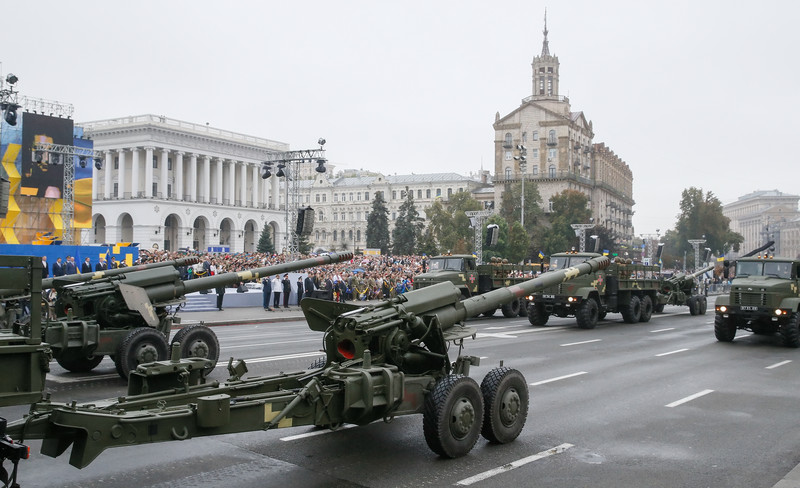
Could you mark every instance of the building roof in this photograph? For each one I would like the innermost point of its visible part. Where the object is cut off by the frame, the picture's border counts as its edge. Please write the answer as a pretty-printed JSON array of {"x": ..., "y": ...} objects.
[{"x": 766, "y": 193}]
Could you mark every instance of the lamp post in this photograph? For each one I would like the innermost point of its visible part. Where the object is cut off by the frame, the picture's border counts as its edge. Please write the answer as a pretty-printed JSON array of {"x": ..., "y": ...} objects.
[
  {"x": 523, "y": 167},
  {"x": 288, "y": 166}
]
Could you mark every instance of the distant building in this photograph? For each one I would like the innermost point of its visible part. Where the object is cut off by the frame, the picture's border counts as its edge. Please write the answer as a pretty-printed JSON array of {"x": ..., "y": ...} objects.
[
  {"x": 561, "y": 153},
  {"x": 762, "y": 216}
]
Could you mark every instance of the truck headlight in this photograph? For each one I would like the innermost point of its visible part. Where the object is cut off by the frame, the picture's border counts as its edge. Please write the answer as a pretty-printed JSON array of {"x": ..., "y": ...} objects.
[
  {"x": 779, "y": 312},
  {"x": 722, "y": 308}
]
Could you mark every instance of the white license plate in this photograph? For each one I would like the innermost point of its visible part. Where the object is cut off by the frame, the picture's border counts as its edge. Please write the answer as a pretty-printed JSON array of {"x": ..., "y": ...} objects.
[
  {"x": 749, "y": 308},
  {"x": 549, "y": 296}
]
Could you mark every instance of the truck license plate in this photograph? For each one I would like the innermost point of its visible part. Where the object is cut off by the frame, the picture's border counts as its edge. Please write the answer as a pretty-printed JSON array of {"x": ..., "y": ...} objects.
[
  {"x": 549, "y": 296},
  {"x": 749, "y": 308}
]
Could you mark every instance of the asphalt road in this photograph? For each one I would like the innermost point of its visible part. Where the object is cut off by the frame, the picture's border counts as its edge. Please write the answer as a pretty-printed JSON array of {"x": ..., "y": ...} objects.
[{"x": 657, "y": 404}]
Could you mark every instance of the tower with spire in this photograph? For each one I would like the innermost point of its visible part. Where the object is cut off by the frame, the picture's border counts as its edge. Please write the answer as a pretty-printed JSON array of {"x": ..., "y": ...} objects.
[{"x": 545, "y": 70}]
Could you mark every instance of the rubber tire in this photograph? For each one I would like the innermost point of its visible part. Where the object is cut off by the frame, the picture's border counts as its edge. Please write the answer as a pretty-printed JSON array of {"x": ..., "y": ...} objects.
[
  {"x": 141, "y": 345},
  {"x": 536, "y": 315},
  {"x": 658, "y": 308},
  {"x": 523, "y": 308},
  {"x": 198, "y": 341},
  {"x": 505, "y": 405},
  {"x": 724, "y": 328},
  {"x": 790, "y": 330},
  {"x": 489, "y": 313},
  {"x": 510, "y": 309},
  {"x": 588, "y": 314},
  {"x": 72, "y": 360},
  {"x": 633, "y": 311},
  {"x": 453, "y": 416},
  {"x": 703, "y": 304},
  {"x": 692, "y": 303},
  {"x": 647, "y": 309}
]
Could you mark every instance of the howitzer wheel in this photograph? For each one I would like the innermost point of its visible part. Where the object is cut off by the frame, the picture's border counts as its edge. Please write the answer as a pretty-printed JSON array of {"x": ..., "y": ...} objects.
[
  {"x": 510, "y": 309},
  {"x": 703, "y": 305},
  {"x": 724, "y": 328},
  {"x": 633, "y": 311},
  {"x": 588, "y": 314},
  {"x": 505, "y": 404},
  {"x": 790, "y": 331},
  {"x": 198, "y": 341},
  {"x": 692, "y": 303},
  {"x": 453, "y": 415},
  {"x": 647, "y": 309},
  {"x": 537, "y": 315},
  {"x": 77, "y": 362},
  {"x": 141, "y": 345}
]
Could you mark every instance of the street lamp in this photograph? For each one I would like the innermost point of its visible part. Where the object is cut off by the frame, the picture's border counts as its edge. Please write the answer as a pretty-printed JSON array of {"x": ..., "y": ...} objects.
[{"x": 523, "y": 167}]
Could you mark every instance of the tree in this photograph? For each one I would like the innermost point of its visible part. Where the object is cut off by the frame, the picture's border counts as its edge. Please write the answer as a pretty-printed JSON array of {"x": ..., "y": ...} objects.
[
  {"x": 378, "y": 225},
  {"x": 569, "y": 207},
  {"x": 512, "y": 241},
  {"x": 407, "y": 228},
  {"x": 701, "y": 218},
  {"x": 511, "y": 200},
  {"x": 427, "y": 243},
  {"x": 265, "y": 243},
  {"x": 450, "y": 223}
]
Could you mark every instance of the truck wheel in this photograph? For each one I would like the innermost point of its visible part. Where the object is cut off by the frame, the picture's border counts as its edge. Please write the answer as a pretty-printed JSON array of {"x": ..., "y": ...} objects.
[
  {"x": 724, "y": 328},
  {"x": 73, "y": 360},
  {"x": 198, "y": 341},
  {"x": 588, "y": 313},
  {"x": 790, "y": 330},
  {"x": 658, "y": 308},
  {"x": 647, "y": 309},
  {"x": 141, "y": 345},
  {"x": 633, "y": 311},
  {"x": 510, "y": 309},
  {"x": 505, "y": 405},
  {"x": 523, "y": 308},
  {"x": 537, "y": 315},
  {"x": 453, "y": 415}
]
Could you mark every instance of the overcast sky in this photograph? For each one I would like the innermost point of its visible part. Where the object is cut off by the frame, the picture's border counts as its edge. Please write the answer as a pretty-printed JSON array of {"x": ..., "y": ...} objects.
[{"x": 687, "y": 93}]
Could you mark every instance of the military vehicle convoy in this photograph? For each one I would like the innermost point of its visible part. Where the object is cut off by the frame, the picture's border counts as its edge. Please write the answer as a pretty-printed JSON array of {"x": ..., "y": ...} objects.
[
  {"x": 123, "y": 313},
  {"x": 473, "y": 279},
  {"x": 764, "y": 298},
  {"x": 623, "y": 287},
  {"x": 382, "y": 361}
]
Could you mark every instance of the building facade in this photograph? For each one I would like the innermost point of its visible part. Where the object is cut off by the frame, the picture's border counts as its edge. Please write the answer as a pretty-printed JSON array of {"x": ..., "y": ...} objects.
[
  {"x": 762, "y": 216},
  {"x": 561, "y": 152},
  {"x": 172, "y": 184}
]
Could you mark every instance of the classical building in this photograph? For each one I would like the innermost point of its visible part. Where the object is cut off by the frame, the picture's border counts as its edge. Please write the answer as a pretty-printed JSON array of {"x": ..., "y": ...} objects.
[
  {"x": 341, "y": 204},
  {"x": 561, "y": 153},
  {"x": 762, "y": 216},
  {"x": 175, "y": 184}
]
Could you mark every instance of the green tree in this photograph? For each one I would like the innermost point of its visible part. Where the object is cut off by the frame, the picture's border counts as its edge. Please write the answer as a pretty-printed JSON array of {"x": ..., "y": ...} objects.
[
  {"x": 511, "y": 201},
  {"x": 407, "y": 228},
  {"x": 265, "y": 244},
  {"x": 512, "y": 241},
  {"x": 450, "y": 224},
  {"x": 427, "y": 243},
  {"x": 377, "y": 232},
  {"x": 569, "y": 207},
  {"x": 303, "y": 246},
  {"x": 701, "y": 218}
]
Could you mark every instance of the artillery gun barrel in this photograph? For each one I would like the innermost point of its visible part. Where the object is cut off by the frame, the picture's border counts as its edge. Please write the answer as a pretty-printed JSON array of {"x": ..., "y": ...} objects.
[
  {"x": 84, "y": 277},
  {"x": 491, "y": 300},
  {"x": 762, "y": 248}
]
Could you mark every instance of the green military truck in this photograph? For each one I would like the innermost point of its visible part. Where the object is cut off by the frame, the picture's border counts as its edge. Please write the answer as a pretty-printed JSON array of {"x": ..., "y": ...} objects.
[
  {"x": 472, "y": 279},
  {"x": 764, "y": 298},
  {"x": 626, "y": 288}
]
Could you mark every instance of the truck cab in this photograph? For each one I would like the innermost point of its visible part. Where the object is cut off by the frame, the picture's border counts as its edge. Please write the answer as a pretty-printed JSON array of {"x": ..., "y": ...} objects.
[{"x": 459, "y": 269}]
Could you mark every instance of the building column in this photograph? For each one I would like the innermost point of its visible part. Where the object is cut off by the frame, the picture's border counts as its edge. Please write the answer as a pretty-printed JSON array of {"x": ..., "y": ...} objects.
[
  {"x": 274, "y": 193},
  {"x": 255, "y": 177},
  {"x": 148, "y": 172},
  {"x": 220, "y": 196},
  {"x": 193, "y": 177},
  {"x": 243, "y": 183},
  {"x": 206, "y": 179},
  {"x": 179, "y": 176},
  {"x": 232, "y": 181},
  {"x": 108, "y": 168},
  {"x": 135, "y": 173},
  {"x": 163, "y": 184}
]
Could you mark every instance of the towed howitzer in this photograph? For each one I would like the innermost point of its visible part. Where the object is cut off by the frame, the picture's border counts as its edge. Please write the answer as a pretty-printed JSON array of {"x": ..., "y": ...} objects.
[
  {"x": 126, "y": 315},
  {"x": 383, "y": 361},
  {"x": 61, "y": 281}
]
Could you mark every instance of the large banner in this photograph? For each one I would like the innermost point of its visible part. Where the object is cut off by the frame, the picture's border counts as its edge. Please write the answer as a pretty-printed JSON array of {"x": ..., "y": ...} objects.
[{"x": 43, "y": 179}]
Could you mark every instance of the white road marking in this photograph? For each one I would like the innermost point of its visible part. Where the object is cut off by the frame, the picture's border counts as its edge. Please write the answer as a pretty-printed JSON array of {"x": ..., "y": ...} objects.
[
  {"x": 316, "y": 433},
  {"x": 776, "y": 365},
  {"x": 671, "y": 352},
  {"x": 62, "y": 379},
  {"x": 559, "y": 378},
  {"x": 663, "y": 330},
  {"x": 497, "y": 336},
  {"x": 287, "y": 356},
  {"x": 688, "y": 398},
  {"x": 271, "y": 343},
  {"x": 582, "y": 342},
  {"x": 513, "y": 465}
]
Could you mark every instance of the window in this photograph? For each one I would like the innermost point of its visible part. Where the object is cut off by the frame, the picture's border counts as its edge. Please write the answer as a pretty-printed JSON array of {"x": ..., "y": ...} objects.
[
  {"x": 551, "y": 171},
  {"x": 366, "y": 195},
  {"x": 438, "y": 192},
  {"x": 541, "y": 70},
  {"x": 116, "y": 163},
  {"x": 169, "y": 191},
  {"x": 549, "y": 69},
  {"x": 460, "y": 190},
  {"x": 316, "y": 236},
  {"x": 535, "y": 135},
  {"x": 351, "y": 197},
  {"x": 551, "y": 137},
  {"x": 155, "y": 162},
  {"x": 549, "y": 85},
  {"x": 350, "y": 234},
  {"x": 358, "y": 216},
  {"x": 321, "y": 216},
  {"x": 507, "y": 156},
  {"x": 324, "y": 197},
  {"x": 541, "y": 84},
  {"x": 507, "y": 141},
  {"x": 428, "y": 193},
  {"x": 350, "y": 216},
  {"x": 334, "y": 235},
  {"x": 535, "y": 154},
  {"x": 169, "y": 164},
  {"x": 358, "y": 235},
  {"x": 335, "y": 216},
  {"x": 324, "y": 236},
  {"x": 551, "y": 154},
  {"x": 116, "y": 190},
  {"x": 155, "y": 189},
  {"x": 419, "y": 194},
  {"x": 394, "y": 194},
  {"x": 335, "y": 198},
  {"x": 550, "y": 206},
  {"x": 536, "y": 169},
  {"x": 317, "y": 197},
  {"x": 508, "y": 173},
  {"x": 394, "y": 215},
  {"x": 449, "y": 192},
  {"x": 358, "y": 196}
]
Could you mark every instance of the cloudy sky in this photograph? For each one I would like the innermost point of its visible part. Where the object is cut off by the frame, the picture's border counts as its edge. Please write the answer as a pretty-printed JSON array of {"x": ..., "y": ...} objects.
[{"x": 688, "y": 93}]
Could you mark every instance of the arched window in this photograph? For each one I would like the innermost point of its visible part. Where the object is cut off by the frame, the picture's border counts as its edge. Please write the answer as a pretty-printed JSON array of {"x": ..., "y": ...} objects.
[
  {"x": 334, "y": 236},
  {"x": 350, "y": 235},
  {"x": 508, "y": 173},
  {"x": 358, "y": 235},
  {"x": 507, "y": 141},
  {"x": 428, "y": 193}
]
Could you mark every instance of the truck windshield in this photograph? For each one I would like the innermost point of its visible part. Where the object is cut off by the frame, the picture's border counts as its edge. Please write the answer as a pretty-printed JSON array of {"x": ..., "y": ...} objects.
[
  {"x": 449, "y": 264},
  {"x": 563, "y": 262},
  {"x": 764, "y": 268}
]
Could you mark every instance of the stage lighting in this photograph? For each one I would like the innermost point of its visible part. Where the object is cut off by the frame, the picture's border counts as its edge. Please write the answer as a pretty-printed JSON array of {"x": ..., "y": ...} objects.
[
  {"x": 321, "y": 141},
  {"x": 320, "y": 166},
  {"x": 280, "y": 172},
  {"x": 266, "y": 170},
  {"x": 38, "y": 156},
  {"x": 82, "y": 161},
  {"x": 10, "y": 114},
  {"x": 98, "y": 163},
  {"x": 55, "y": 159},
  {"x": 11, "y": 78}
]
